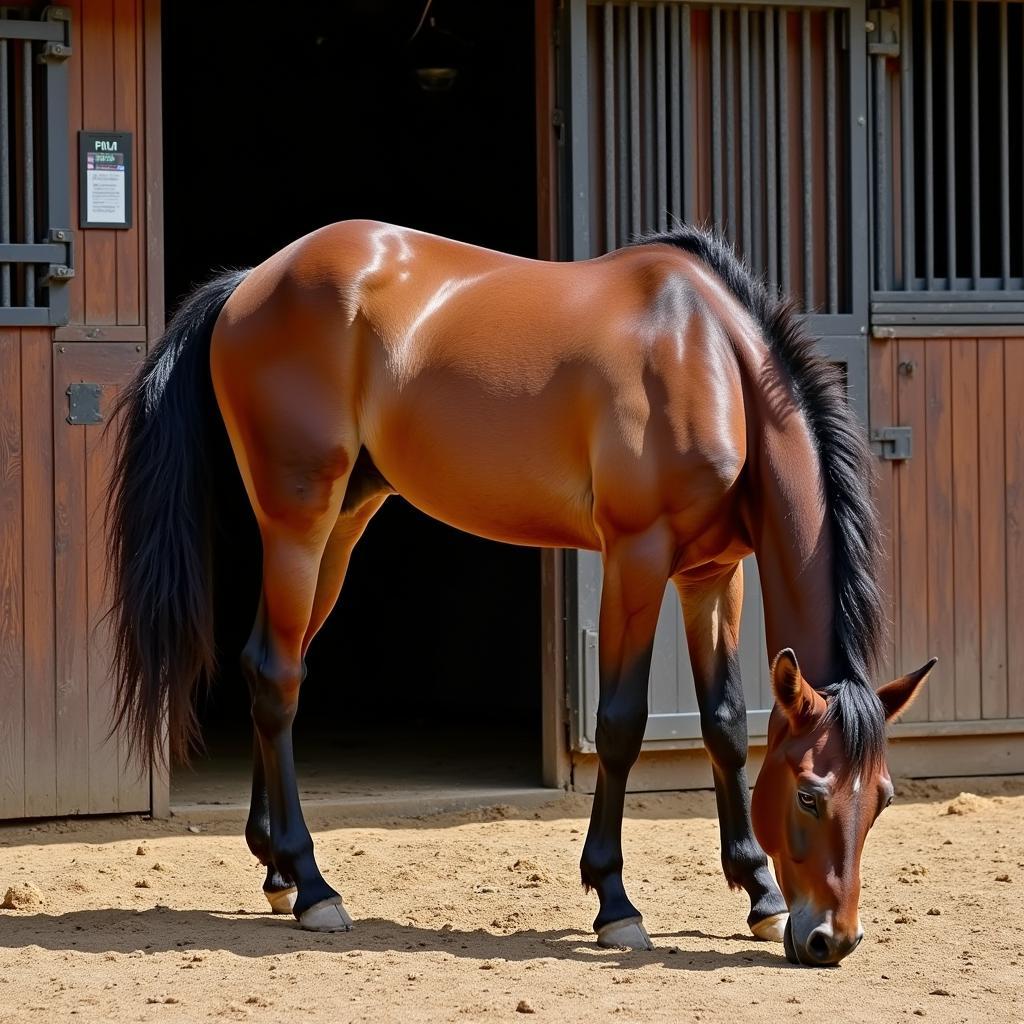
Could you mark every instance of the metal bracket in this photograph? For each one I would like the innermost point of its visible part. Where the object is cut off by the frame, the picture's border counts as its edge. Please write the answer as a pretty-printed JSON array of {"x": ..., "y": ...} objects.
[
  {"x": 883, "y": 28},
  {"x": 53, "y": 52},
  {"x": 57, "y": 272},
  {"x": 893, "y": 443},
  {"x": 60, "y": 272},
  {"x": 84, "y": 404},
  {"x": 558, "y": 123}
]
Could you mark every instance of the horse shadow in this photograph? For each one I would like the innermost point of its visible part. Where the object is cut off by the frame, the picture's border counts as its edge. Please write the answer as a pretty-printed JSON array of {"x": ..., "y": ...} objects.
[{"x": 163, "y": 929}]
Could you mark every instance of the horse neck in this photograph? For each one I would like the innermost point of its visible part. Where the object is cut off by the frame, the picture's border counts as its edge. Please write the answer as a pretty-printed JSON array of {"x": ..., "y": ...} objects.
[{"x": 790, "y": 527}]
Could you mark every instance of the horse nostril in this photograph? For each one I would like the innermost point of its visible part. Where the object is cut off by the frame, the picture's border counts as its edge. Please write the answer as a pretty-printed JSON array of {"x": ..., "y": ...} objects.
[{"x": 819, "y": 947}]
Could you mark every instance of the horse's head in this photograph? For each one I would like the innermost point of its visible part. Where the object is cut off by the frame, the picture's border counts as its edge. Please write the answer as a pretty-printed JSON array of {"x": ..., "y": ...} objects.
[{"x": 823, "y": 783}]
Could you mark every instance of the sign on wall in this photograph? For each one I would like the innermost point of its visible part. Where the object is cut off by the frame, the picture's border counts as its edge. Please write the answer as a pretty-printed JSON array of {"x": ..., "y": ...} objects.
[{"x": 105, "y": 179}]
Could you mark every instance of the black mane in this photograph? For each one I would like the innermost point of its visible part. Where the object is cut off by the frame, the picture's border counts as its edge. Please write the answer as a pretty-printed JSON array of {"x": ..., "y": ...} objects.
[{"x": 846, "y": 473}]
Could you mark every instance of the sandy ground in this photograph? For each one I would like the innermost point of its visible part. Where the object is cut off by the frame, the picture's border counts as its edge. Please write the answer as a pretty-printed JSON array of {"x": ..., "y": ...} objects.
[{"x": 467, "y": 917}]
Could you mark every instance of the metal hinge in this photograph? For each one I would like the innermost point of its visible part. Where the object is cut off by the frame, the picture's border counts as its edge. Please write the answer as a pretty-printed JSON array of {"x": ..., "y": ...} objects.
[
  {"x": 883, "y": 29},
  {"x": 59, "y": 272},
  {"x": 84, "y": 404},
  {"x": 558, "y": 123},
  {"x": 53, "y": 52},
  {"x": 893, "y": 443}
]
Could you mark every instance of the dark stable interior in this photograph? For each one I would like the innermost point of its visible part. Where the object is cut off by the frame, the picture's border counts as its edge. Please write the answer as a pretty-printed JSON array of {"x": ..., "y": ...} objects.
[{"x": 277, "y": 125}]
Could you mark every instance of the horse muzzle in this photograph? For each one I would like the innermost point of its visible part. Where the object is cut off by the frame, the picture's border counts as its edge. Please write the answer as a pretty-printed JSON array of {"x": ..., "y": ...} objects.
[{"x": 822, "y": 948}]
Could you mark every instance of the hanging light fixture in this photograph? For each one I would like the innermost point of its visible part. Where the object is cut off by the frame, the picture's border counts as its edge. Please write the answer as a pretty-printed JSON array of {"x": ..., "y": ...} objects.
[{"x": 436, "y": 53}]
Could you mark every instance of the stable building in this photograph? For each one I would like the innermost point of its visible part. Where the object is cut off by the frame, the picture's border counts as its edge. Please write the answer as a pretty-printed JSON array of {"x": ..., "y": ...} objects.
[{"x": 868, "y": 161}]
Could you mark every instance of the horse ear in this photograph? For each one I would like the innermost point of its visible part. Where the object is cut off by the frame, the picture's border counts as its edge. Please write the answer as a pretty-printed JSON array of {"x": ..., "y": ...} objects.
[
  {"x": 898, "y": 695},
  {"x": 800, "y": 702}
]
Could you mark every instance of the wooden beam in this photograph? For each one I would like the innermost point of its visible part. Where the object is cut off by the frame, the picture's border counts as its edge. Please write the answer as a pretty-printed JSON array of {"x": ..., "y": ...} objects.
[
  {"x": 106, "y": 332},
  {"x": 152, "y": 137},
  {"x": 947, "y": 755},
  {"x": 947, "y": 331}
]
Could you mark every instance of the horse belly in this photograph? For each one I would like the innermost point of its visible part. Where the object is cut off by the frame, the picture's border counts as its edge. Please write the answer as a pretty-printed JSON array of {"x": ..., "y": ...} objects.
[{"x": 508, "y": 468}]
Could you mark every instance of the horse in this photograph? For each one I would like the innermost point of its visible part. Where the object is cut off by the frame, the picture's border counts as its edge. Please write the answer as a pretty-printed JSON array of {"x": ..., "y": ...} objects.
[{"x": 659, "y": 405}]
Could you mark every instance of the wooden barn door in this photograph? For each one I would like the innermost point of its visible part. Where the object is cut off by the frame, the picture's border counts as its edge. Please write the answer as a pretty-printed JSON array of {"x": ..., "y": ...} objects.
[
  {"x": 55, "y": 691},
  {"x": 752, "y": 118},
  {"x": 55, "y": 694},
  {"x": 91, "y": 770}
]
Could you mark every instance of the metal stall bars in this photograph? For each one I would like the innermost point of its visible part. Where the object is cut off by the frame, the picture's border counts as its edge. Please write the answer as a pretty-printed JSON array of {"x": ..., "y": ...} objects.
[
  {"x": 36, "y": 240},
  {"x": 752, "y": 117},
  {"x": 947, "y": 101}
]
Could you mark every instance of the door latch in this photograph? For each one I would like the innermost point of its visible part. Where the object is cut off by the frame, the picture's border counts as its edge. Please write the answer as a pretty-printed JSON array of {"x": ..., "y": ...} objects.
[{"x": 893, "y": 443}]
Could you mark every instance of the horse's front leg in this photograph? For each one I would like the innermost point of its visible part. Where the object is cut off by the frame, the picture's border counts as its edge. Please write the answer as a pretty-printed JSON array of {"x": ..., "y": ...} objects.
[
  {"x": 711, "y": 610},
  {"x": 636, "y": 572}
]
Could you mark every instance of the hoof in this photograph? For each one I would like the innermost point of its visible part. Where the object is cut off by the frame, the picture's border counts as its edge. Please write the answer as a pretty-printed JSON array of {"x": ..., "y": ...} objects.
[
  {"x": 326, "y": 916},
  {"x": 282, "y": 901},
  {"x": 629, "y": 933},
  {"x": 771, "y": 929}
]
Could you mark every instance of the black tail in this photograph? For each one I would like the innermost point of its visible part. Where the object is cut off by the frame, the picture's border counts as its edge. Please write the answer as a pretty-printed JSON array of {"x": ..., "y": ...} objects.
[{"x": 159, "y": 521}]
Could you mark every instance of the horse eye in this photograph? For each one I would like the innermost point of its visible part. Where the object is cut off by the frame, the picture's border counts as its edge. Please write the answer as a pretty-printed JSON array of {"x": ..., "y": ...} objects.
[
  {"x": 888, "y": 803},
  {"x": 807, "y": 802}
]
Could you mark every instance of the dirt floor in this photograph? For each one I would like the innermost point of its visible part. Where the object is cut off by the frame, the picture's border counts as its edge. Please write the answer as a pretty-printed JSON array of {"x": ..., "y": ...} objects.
[{"x": 480, "y": 917}]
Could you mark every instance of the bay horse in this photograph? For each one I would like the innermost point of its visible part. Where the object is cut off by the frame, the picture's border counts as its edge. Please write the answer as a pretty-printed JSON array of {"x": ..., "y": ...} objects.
[{"x": 658, "y": 405}]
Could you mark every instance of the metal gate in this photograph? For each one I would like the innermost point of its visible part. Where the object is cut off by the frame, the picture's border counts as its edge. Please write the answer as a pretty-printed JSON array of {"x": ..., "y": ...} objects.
[
  {"x": 35, "y": 207},
  {"x": 947, "y": 99},
  {"x": 751, "y": 118}
]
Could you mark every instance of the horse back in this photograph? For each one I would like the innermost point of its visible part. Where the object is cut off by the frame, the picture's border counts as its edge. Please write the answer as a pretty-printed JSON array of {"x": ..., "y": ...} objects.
[{"x": 534, "y": 402}]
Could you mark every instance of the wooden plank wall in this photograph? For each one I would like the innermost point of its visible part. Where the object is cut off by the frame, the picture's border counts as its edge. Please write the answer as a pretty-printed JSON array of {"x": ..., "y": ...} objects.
[
  {"x": 108, "y": 293},
  {"x": 28, "y": 777},
  {"x": 953, "y": 521},
  {"x": 54, "y": 655}
]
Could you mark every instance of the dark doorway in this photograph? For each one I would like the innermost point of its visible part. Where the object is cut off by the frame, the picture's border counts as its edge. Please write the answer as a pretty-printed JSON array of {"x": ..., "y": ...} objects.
[{"x": 275, "y": 126}]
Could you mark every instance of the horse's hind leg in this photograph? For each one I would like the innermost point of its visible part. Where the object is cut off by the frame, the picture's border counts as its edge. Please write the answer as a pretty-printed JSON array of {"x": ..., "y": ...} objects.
[
  {"x": 273, "y": 661},
  {"x": 711, "y": 612},
  {"x": 364, "y": 495},
  {"x": 279, "y": 889},
  {"x": 362, "y": 500}
]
